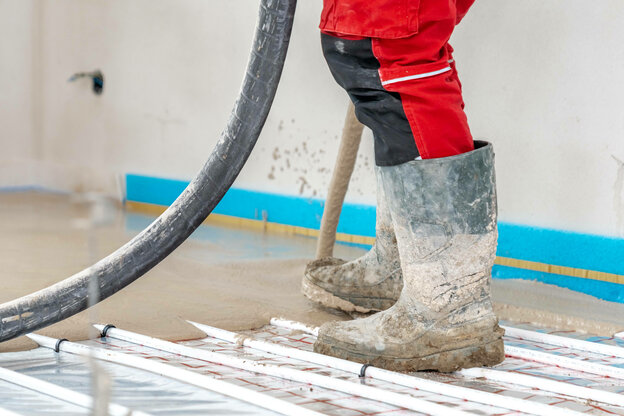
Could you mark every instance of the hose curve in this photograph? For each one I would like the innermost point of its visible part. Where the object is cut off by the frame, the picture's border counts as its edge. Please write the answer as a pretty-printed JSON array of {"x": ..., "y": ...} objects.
[{"x": 167, "y": 232}]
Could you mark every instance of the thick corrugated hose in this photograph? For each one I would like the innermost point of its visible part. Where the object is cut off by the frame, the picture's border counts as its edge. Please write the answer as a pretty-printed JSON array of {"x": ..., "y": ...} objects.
[{"x": 168, "y": 231}]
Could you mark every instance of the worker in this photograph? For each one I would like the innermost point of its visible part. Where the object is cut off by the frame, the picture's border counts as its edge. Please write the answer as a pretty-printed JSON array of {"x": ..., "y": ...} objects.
[{"x": 429, "y": 271}]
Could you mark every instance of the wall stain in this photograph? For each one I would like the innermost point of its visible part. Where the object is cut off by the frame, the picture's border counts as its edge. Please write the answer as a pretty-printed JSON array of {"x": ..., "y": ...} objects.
[
  {"x": 296, "y": 161},
  {"x": 276, "y": 153},
  {"x": 304, "y": 183}
]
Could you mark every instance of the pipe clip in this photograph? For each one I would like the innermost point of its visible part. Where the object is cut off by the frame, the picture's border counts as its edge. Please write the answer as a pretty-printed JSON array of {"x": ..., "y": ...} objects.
[{"x": 105, "y": 330}]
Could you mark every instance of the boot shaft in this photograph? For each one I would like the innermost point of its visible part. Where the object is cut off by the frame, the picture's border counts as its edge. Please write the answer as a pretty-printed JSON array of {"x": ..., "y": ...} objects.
[
  {"x": 385, "y": 248},
  {"x": 444, "y": 216}
]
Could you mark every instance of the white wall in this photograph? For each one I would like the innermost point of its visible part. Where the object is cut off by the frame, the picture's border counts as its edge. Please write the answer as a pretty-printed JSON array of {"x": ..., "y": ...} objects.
[
  {"x": 541, "y": 79},
  {"x": 18, "y": 94},
  {"x": 172, "y": 72}
]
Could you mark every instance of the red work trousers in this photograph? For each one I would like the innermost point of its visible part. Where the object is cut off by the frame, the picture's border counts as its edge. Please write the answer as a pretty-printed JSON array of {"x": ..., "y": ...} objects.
[{"x": 414, "y": 65}]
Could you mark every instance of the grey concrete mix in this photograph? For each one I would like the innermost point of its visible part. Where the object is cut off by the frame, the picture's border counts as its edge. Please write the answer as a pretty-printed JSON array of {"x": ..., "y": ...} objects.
[{"x": 227, "y": 277}]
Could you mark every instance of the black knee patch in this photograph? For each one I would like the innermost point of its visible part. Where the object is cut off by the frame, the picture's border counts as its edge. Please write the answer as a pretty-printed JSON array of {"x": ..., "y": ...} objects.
[{"x": 355, "y": 68}]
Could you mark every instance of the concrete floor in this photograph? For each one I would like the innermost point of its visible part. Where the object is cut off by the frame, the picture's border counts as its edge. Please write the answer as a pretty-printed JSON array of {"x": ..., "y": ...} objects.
[
  {"x": 236, "y": 279},
  {"x": 228, "y": 277}
]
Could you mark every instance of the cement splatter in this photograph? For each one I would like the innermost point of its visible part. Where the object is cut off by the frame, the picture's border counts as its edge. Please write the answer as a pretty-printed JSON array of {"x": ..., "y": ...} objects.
[
  {"x": 276, "y": 154},
  {"x": 304, "y": 184}
]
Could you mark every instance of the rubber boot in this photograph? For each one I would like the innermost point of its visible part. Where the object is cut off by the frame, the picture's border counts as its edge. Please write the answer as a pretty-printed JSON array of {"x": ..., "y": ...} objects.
[
  {"x": 372, "y": 282},
  {"x": 444, "y": 216}
]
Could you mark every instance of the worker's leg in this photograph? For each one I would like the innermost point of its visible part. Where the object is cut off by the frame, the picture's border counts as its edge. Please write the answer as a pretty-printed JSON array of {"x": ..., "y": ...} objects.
[
  {"x": 424, "y": 112},
  {"x": 405, "y": 91},
  {"x": 356, "y": 69},
  {"x": 443, "y": 208},
  {"x": 420, "y": 69},
  {"x": 373, "y": 282}
]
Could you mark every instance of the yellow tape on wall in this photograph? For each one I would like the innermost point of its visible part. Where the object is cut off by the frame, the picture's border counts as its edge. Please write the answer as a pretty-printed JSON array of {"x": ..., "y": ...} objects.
[
  {"x": 253, "y": 224},
  {"x": 561, "y": 270}
]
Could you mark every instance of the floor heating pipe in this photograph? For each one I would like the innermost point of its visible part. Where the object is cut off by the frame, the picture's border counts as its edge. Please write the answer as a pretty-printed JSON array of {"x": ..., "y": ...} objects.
[
  {"x": 61, "y": 393},
  {"x": 510, "y": 351},
  {"x": 566, "y": 342},
  {"x": 571, "y": 390},
  {"x": 396, "y": 399},
  {"x": 463, "y": 393},
  {"x": 566, "y": 362},
  {"x": 295, "y": 326},
  {"x": 6, "y": 412},
  {"x": 185, "y": 376}
]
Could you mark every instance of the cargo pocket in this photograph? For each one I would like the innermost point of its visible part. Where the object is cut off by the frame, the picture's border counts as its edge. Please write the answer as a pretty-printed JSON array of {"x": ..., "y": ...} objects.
[{"x": 389, "y": 19}]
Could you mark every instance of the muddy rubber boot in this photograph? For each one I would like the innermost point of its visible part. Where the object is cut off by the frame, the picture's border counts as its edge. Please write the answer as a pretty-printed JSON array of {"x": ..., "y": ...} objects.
[
  {"x": 444, "y": 216},
  {"x": 372, "y": 282}
]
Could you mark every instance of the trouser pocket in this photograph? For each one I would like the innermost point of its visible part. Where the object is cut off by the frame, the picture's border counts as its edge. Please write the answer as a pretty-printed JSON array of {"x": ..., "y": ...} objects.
[{"x": 388, "y": 19}]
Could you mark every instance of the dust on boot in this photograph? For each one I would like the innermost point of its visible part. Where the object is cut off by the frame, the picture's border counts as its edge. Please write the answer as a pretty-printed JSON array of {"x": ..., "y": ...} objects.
[
  {"x": 444, "y": 216},
  {"x": 372, "y": 282}
]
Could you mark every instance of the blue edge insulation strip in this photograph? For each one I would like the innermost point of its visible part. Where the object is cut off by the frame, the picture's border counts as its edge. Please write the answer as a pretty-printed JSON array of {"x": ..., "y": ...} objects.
[{"x": 562, "y": 248}]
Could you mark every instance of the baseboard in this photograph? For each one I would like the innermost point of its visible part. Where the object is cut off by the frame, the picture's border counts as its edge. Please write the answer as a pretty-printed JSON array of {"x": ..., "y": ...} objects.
[{"x": 591, "y": 264}]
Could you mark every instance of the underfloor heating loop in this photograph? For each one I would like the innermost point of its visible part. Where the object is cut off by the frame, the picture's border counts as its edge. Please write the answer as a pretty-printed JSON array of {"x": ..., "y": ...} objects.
[
  {"x": 444, "y": 389},
  {"x": 62, "y": 393},
  {"x": 578, "y": 392},
  {"x": 330, "y": 383},
  {"x": 186, "y": 376}
]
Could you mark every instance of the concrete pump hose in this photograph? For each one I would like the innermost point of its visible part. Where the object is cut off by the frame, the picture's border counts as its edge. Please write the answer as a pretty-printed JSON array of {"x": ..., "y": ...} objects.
[
  {"x": 167, "y": 232},
  {"x": 343, "y": 169}
]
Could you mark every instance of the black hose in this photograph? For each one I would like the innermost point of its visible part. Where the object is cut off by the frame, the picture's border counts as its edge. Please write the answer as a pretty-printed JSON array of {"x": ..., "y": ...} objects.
[{"x": 168, "y": 231}]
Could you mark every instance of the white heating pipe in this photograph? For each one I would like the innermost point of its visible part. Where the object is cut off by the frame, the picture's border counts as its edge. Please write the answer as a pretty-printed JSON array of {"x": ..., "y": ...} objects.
[
  {"x": 373, "y": 393},
  {"x": 463, "y": 393},
  {"x": 565, "y": 342},
  {"x": 533, "y": 382},
  {"x": 185, "y": 376},
  {"x": 297, "y": 326},
  {"x": 62, "y": 393},
  {"x": 6, "y": 412},
  {"x": 566, "y": 362},
  {"x": 511, "y": 351}
]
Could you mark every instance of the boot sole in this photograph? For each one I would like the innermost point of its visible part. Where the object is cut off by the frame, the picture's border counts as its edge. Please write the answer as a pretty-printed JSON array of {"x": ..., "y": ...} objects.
[
  {"x": 319, "y": 295},
  {"x": 488, "y": 354}
]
